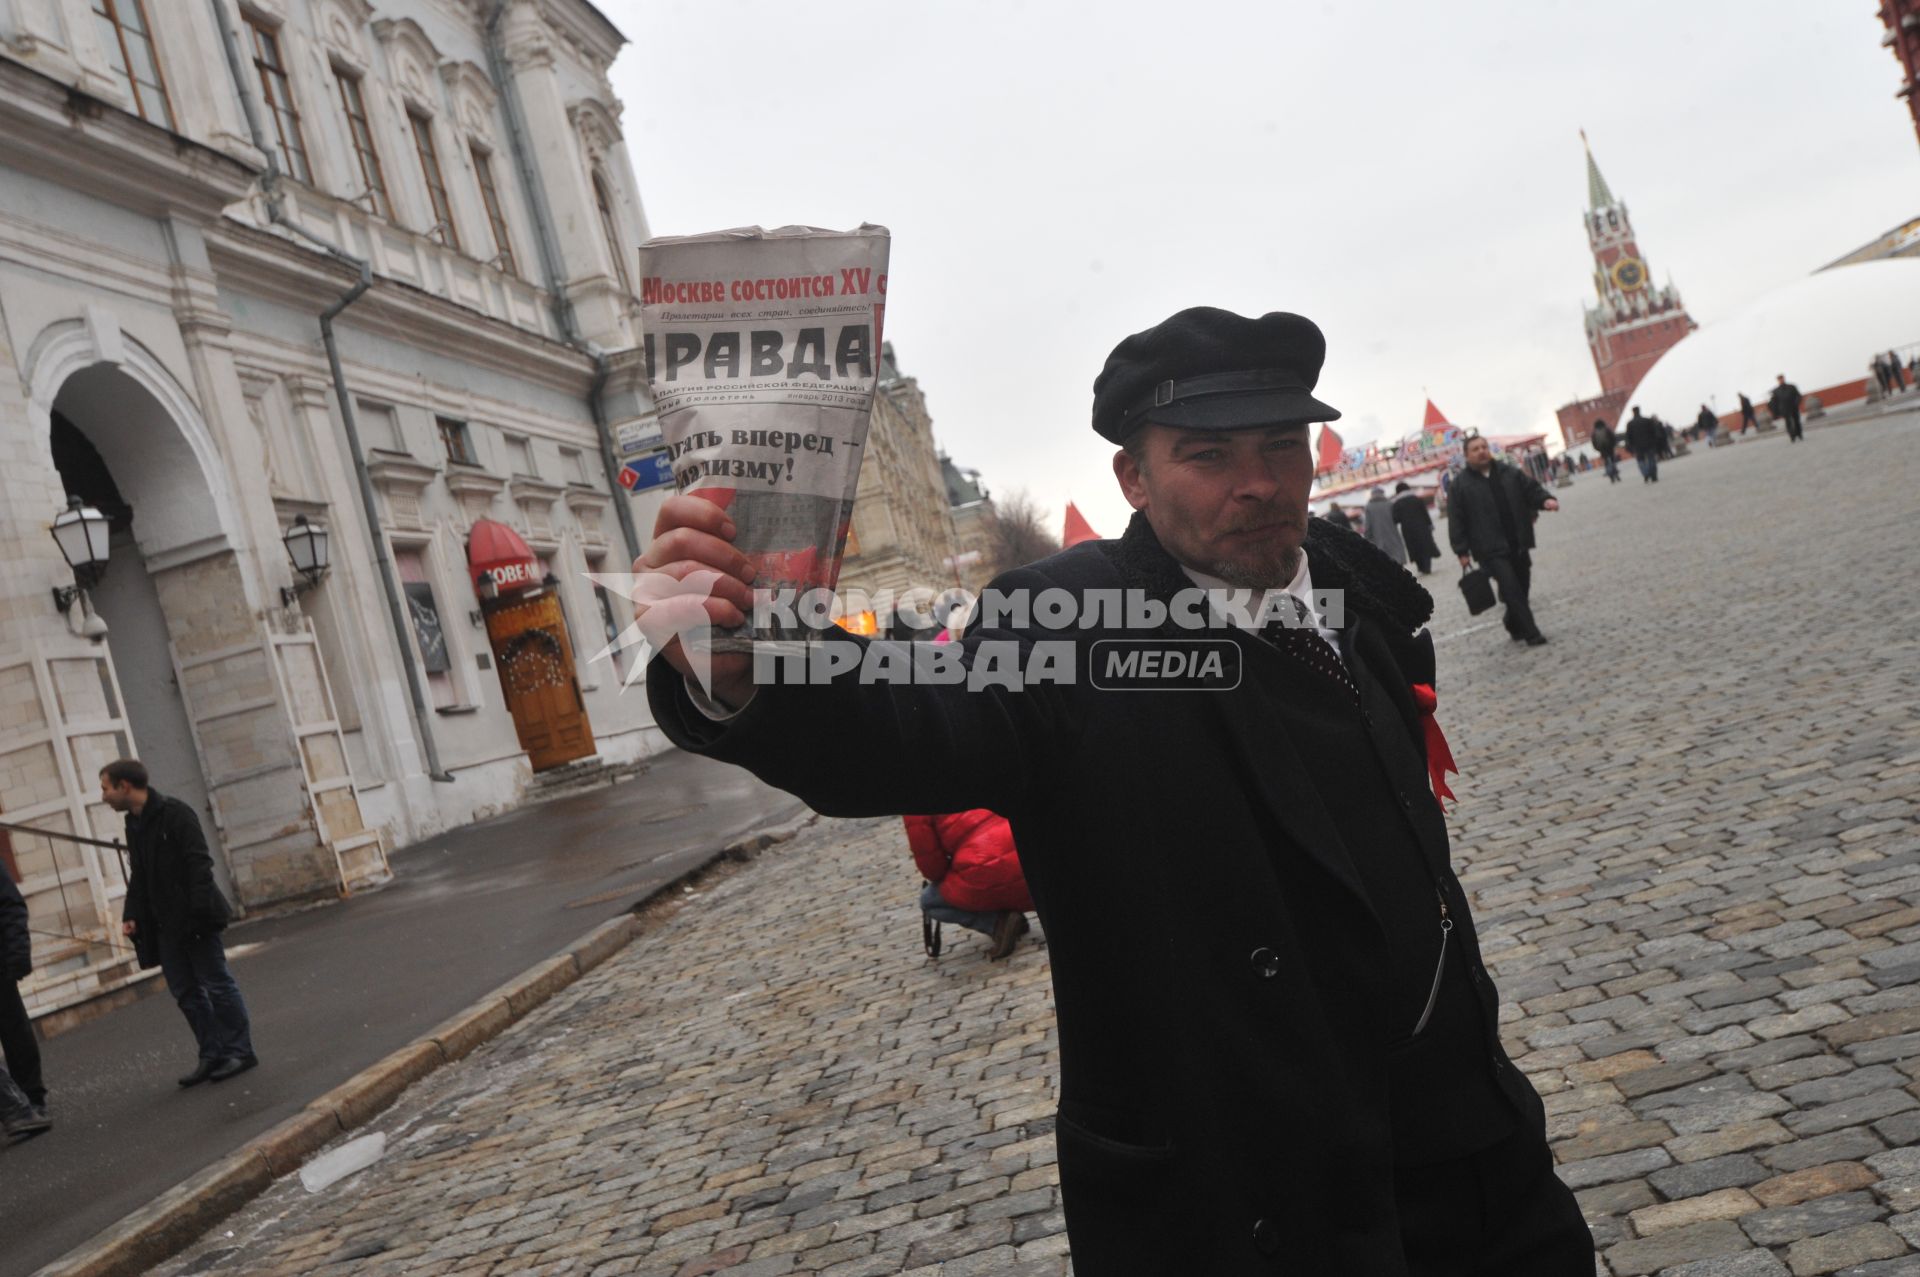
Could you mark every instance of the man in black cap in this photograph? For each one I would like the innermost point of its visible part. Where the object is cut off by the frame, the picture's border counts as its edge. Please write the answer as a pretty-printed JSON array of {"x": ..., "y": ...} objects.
[{"x": 1291, "y": 1061}]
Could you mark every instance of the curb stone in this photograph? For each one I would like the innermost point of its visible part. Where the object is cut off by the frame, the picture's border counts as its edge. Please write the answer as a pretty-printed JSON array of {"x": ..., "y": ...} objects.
[{"x": 172, "y": 1221}]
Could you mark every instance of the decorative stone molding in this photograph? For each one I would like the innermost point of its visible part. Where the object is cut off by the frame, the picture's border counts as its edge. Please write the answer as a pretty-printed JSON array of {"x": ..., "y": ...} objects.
[
  {"x": 474, "y": 97},
  {"x": 589, "y": 507},
  {"x": 412, "y": 55},
  {"x": 340, "y": 23},
  {"x": 535, "y": 497},
  {"x": 597, "y": 125},
  {"x": 400, "y": 481},
  {"x": 473, "y": 490}
]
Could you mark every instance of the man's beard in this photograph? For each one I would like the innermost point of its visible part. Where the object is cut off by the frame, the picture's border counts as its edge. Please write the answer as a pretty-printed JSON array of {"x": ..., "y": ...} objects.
[{"x": 1269, "y": 570}]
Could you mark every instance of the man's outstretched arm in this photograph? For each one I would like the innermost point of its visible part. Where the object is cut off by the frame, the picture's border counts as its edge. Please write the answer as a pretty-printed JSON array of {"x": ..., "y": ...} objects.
[{"x": 874, "y": 739}]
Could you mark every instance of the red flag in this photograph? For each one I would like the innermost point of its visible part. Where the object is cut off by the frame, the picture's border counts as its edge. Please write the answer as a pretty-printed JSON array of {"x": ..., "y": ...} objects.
[
  {"x": 1330, "y": 450},
  {"x": 1077, "y": 529},
  {"x": 1434, "y": 417}
]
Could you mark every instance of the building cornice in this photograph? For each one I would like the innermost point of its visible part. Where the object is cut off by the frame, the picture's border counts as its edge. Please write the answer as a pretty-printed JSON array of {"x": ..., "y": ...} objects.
[
  {"x": 274, "y": 267},
  {"x": 585, "y": 27},
  {"x": 68, "y": 136}
]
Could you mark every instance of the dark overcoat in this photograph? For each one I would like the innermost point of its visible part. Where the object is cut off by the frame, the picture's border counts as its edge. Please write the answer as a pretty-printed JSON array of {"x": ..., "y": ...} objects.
[
  {"x": 16, "y": 937},
  {"x": 1473, "y": 521},
  {"x": 1645, "y": 437},
  {"x": 1416, "y": 525},
  {"x": 171, "y": 888},
  {"x": 1219, "y": 971}
]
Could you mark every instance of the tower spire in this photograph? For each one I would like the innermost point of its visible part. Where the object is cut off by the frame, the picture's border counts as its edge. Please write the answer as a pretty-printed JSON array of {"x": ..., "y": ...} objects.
[{"x": 1598, "y": 196}]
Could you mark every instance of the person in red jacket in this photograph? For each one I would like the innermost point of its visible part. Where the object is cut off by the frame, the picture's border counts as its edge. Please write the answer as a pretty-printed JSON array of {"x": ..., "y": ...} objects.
[{"x": 973, "y": 878}]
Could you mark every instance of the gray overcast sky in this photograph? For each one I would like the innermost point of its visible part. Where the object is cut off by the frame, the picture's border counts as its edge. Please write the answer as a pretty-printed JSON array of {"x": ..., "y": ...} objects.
[{"x": 1407, "y": 174}]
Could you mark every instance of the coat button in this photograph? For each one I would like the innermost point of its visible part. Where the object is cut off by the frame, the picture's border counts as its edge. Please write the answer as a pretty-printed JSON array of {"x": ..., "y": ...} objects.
[
  {"x": 1266, "y": 963},
  {"x": 1266, "y": 1237}
]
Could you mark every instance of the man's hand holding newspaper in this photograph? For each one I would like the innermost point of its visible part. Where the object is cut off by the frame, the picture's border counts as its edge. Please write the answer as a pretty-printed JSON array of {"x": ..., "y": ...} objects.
[{"x": 693, "y": 580}]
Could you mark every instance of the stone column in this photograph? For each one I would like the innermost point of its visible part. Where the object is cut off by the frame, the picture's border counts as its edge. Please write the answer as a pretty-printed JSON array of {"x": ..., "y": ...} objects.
[{"x": 564, "y": 182}]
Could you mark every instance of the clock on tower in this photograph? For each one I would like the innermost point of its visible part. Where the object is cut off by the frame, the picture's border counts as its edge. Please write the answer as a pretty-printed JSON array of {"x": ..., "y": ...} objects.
[{"x": 1629, "y": 274}]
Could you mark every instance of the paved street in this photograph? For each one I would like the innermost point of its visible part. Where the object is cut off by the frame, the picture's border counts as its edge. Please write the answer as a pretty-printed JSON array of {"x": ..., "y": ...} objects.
[
  {"x": 1692, "y": 826},
  {"x": 332, "y": 990}
]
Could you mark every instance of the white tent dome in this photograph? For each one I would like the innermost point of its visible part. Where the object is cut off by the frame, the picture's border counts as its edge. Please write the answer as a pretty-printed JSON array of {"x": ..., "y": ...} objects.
[{"x": 1821, "y": 331}]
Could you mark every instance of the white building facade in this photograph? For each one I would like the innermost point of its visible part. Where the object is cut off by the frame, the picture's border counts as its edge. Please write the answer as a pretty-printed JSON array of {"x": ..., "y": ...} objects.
[{"x": 193, "y": 194}]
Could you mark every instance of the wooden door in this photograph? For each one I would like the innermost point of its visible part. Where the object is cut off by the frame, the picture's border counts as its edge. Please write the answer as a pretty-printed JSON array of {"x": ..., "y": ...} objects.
[{"x": 529, "y": 637}]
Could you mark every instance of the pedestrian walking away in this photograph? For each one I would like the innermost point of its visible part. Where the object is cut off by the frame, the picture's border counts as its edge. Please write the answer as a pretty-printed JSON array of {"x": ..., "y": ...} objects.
[
  {"x": 1606, "y": 444},
  {"x": 1383, "y": 527},
  {"x": 1785, "y": 403},
  {"x": 1748, "y": 421},
  {"x": 1415, "y": 521},
  {"x": 1492, "y": 522},
  {"x": 1895, "y": 373},
  {"x": 23, "y": 1095},
  {"x": 973, "y": 878},
  {"x": 1338, "y": 517},
  {"x": 1707, "y": 424},
  {"x": 1644, "y": 440},
  {"x": 175, "y": 914},
  {"x": 1278, "y": 1041}
]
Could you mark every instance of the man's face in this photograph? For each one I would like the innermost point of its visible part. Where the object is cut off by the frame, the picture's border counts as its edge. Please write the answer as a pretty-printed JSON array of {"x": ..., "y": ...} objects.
[
  {"x": 1229, "y": 503},
  {"x": 115, "y": 795},
  {"x": 1479, "y": 453}
]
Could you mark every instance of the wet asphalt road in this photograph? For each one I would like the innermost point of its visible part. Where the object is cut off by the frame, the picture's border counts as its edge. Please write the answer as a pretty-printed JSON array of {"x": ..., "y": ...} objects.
[{"x": 333, "y": 989}]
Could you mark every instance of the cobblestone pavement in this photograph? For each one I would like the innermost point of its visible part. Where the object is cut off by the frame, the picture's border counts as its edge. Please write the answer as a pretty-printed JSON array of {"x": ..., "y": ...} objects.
[{"x": 1692, "y": 827}]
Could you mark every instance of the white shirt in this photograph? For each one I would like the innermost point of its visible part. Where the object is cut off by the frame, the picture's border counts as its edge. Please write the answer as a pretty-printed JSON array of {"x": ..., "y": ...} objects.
[{"x": 1301, "y": 588}]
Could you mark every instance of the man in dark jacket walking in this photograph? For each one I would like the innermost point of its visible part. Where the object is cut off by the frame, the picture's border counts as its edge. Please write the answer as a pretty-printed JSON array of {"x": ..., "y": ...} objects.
[
  {"x": 1606, "y": 445},
  {"x": 23, "y": 1096},
  {"x": 1290, "y": 1051},
  {"x": 1415, "y": 521},
  {"x": 1645, "y": 439},
  {"x": 175, "y": 914},
  {"x": 1492, "y": 521},
  {"x": 1785, "y": 403},
  {"x": 1748, "y": 420}
]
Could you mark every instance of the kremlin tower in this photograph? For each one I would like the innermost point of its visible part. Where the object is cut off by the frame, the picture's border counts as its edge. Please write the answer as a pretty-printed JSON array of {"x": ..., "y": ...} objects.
[{"x": 1632, "y": 323}]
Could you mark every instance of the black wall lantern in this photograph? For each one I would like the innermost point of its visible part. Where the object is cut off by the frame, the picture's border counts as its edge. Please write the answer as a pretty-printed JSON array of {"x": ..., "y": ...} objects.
[
  {"x": 308, "y": 549},
  {"x": 82, "y": 534}
]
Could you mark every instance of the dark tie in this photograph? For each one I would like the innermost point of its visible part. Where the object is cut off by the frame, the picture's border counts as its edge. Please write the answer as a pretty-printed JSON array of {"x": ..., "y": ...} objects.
[{"x": 1304, "y": 644}]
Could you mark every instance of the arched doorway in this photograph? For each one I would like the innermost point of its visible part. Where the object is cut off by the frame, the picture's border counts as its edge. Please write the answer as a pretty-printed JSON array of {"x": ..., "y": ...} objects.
[
  {"x": 116, "y": 447},
  {"x": 190, "y": 636},
  {"x": 126, "y": 600}
]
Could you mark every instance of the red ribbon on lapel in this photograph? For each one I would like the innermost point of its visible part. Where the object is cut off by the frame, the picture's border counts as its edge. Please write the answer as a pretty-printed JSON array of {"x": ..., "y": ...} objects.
[{"x": 1439, "y": 757}]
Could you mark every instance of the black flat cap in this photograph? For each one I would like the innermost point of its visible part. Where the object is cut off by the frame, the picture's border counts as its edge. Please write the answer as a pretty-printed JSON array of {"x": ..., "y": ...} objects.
[{"x": 1210, "y": 369}]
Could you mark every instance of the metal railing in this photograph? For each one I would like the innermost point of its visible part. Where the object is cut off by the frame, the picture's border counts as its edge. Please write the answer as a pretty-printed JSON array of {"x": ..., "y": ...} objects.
[{"x": 60, "y": 879}]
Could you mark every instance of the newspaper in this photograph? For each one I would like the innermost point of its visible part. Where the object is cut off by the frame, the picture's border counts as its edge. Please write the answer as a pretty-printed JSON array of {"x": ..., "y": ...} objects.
[{"x": 762, "y": 352}]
